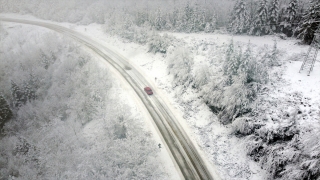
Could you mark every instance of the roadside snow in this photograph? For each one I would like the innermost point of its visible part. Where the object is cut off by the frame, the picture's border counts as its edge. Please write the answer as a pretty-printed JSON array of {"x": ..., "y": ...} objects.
[
  {"x": 221, "y": 149},
  {"x": 223, "y": 152}
]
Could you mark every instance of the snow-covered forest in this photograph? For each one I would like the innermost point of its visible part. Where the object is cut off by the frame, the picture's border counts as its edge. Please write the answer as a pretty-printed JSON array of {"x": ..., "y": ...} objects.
[
  {"x": 65, "y": 116},
  {"x": 241, "y": 83},
  {"x": 298, "y": 18}
]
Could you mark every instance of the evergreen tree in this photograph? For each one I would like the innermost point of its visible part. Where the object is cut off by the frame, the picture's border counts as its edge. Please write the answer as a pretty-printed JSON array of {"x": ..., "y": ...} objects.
[
  {"x": 239, "y": 18},
  {"x": 309, "y": 23},
  {"x": 245, "y": 66},
  {"x": 274, "y": 59},
  {"x": 5, "y": 112},
  {"x": 29, "y": 92},
  {"x": 211, "y": 25},
  {"x": 174, "y": 18},
  {"x": 159, "y": 22},
  {"x": 18, "y": 95},
  {"x": 229, "y": 56},
  {"x": 292, "y": 10},
  {"x": 290, "y": 18},
  {"x": 202, "y": 21},
  {"x": 189, "y": 18},
  {"x": 260, "y": 25},
  {"x": 273, "y": 15},
  {"x": 233, "y": 60},
  {"x": 195, "y": 24}
]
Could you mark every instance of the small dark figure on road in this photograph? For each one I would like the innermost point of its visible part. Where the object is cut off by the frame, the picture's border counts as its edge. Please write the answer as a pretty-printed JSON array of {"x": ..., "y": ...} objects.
[{"x": 159, "y": 145}]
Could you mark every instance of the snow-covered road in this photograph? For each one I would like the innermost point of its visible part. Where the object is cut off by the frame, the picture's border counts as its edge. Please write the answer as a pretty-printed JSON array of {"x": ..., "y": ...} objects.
[{"x": 186, "y": 155}]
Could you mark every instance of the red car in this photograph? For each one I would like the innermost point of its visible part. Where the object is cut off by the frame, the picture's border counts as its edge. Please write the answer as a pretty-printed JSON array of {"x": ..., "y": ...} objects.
[{"x": 148, "y": 90}]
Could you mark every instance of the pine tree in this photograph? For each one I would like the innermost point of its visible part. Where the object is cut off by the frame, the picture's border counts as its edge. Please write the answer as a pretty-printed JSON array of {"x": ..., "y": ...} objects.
[
  {"x": 290, "y": 18},
  {"x": 260, "y": 25},
  {"x": 273, "y": 15},
  {"x": 196, "y": 20},
  {"x": 229, "y": 56},
  {"x": 29, "y": 92},
  {"x": 245, "y": 66},
  {"x": 292, "y": 10},
  {"x": 18, "y": 95},
  {"x": 274, "y": 60},
  {"x": 233, "y": 58},
  {"x": 202, "y": 21},
  {"x": 188, "y": 19},
  {"x": 309, "y": 23},
  {"x": 177, "y": 19},
  {"x": 159, "y": 21},
  {"x": 211, "y": 25},
  {"x": 239, "y": 18},
  {"x": 5, "y": 112}
]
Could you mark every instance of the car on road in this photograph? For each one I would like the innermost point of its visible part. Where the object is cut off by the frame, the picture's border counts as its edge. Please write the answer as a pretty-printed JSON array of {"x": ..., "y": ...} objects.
[{"x": 148, "y": 90}]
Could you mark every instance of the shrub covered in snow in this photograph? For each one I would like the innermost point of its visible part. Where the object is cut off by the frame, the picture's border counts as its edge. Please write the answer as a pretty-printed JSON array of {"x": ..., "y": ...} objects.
[{"x": 281, "y": 139}]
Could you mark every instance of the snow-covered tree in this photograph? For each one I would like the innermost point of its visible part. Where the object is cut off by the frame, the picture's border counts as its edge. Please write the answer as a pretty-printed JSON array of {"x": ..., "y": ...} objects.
[
  {"x": 188, "y": 19},
  {"x": 245, "y": 66},
  {"x": 202, "y": 76},
  {"x": 232, "y": 94},
  {"x": 18, "y": 95},
  {"x": 174, "y": 19},
  {"x": 260, "y": 26},
  {"x": 180, "y": 66},
  {"x": 159, "y": 43},
  {"x": 273, "y": 15},
  {"x": 292, "y": 10},
  {"x": 5, "y": 111},
  {"x": 141, "y": 17},
  {"x": 232, "y": 62},
  {"x": 309, "y": 23},
  {"x": 274, "y": 56},
  {"x": 159, "y": 22},
  {"x": 73, "y": 91},
  {"x": 289, "y": 18},
  {"x": 211, "y": 25},
  {"x": 202, "y": 20},
  {"x": 239, "y": 20}
]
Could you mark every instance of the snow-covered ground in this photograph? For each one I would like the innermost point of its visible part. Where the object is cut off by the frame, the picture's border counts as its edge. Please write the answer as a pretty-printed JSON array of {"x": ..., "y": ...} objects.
[{"x": 221, "y": 148}]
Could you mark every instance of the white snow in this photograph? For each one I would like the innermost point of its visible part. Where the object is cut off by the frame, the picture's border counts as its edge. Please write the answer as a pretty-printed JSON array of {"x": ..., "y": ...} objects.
[
  {"x": 95, "y": 129},
  {"x": 223, "y": 151}
]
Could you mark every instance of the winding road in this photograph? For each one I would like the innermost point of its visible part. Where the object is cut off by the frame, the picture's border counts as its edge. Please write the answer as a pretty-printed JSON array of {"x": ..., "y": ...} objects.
[{"x": 183, "y": 151}]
